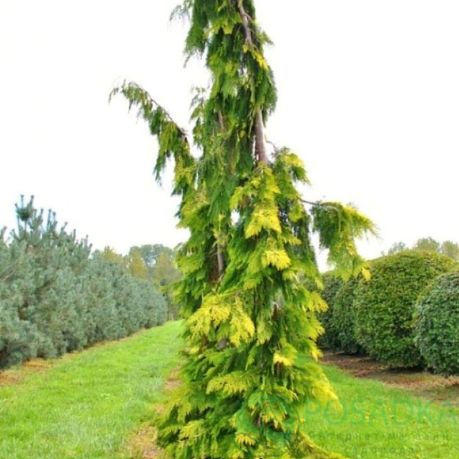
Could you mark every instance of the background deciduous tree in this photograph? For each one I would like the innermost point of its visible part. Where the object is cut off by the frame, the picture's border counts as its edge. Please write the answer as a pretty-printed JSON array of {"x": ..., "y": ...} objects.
[
  {"x": 136, "y": 265},
  {"x": 161, "y": 268},
  {"x": 150, "y": 253},
  {"x": 428, "y": 244},
  {"x": 396, "y": 248},
  {"x": 450, "y": 249}
]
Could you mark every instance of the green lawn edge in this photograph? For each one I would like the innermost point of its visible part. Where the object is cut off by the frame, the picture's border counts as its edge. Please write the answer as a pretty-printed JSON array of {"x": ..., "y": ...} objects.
[{"x": 86, "y": 405}]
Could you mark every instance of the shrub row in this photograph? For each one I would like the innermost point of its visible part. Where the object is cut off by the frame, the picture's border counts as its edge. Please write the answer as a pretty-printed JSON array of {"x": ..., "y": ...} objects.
[
  {"x": 407, "y": 315},
  {"x": 437, "y": 324},
  {"x": 56, "y": 297},
  {"x": 332, "y": 285}
]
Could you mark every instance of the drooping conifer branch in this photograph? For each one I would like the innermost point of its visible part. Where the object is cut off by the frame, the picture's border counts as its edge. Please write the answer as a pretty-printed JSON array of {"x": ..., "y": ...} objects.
[
  {"x": 173, "y": 140},
  {"x": 136, "y": 95}
]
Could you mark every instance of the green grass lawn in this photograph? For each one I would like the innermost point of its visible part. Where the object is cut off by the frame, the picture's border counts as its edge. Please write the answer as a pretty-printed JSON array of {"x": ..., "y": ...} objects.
[
  {"x": 365, "y": 424},
  {"x": 87, "y": 405}
]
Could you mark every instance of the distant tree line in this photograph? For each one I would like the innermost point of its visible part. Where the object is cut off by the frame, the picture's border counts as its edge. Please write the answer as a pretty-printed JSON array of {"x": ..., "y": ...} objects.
[
  {"x": 428, "y": 244},
  {"x": 57, "y": 296},
  {"x": 154, "y": 263}
]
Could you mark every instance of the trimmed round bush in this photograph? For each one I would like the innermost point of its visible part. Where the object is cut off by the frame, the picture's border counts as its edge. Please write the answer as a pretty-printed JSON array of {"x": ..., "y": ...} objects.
[
  {"x": 437, "y": 324},
  {"x": 343, "y": 318},
  {"x": 332, "y": 285},
  {"x": 384, "y": 306}
]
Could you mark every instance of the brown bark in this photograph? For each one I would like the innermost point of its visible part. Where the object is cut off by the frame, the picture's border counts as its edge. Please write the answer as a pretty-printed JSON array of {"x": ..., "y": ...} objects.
[
  {"x": 260, "y": 145},
  {"x": 221, "y": 261},
  {"x": 245, "y": 23},
  {"x": 221, "y": 121}
]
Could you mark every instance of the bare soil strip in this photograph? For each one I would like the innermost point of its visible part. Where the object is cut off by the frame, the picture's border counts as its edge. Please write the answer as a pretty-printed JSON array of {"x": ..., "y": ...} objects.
[
  {"x": 420, "y": 383},
  {"x": 142, "y": 445}
]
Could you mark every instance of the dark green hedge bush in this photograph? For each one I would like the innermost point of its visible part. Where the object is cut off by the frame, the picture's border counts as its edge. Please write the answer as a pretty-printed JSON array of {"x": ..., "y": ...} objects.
[
  {"x": 332, "y": 285},
  {"x": 343, "y": 318},
  {"x": 385, "y": 305},
  {"x": 437, "y": 324}
]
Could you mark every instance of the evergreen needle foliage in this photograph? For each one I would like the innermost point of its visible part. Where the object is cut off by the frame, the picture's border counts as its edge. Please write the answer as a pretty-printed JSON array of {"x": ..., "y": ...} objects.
[
  {"x": 248, "y": 317},
  {"x": 57, "y": 297}
]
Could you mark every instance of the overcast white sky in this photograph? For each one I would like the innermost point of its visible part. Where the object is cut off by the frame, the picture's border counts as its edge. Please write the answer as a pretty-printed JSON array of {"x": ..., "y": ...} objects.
[{"x": 368, "y": 97}]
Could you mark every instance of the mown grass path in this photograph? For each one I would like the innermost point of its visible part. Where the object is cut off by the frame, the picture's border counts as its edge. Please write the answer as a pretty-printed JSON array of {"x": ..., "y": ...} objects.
[
  {"x": 85, "y": 406},
  {"x": 94, "y": 404}
]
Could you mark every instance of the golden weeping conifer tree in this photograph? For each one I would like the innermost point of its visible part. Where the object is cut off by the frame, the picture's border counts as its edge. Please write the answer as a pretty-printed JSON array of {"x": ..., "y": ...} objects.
[{"x": 249, "y": 319}]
